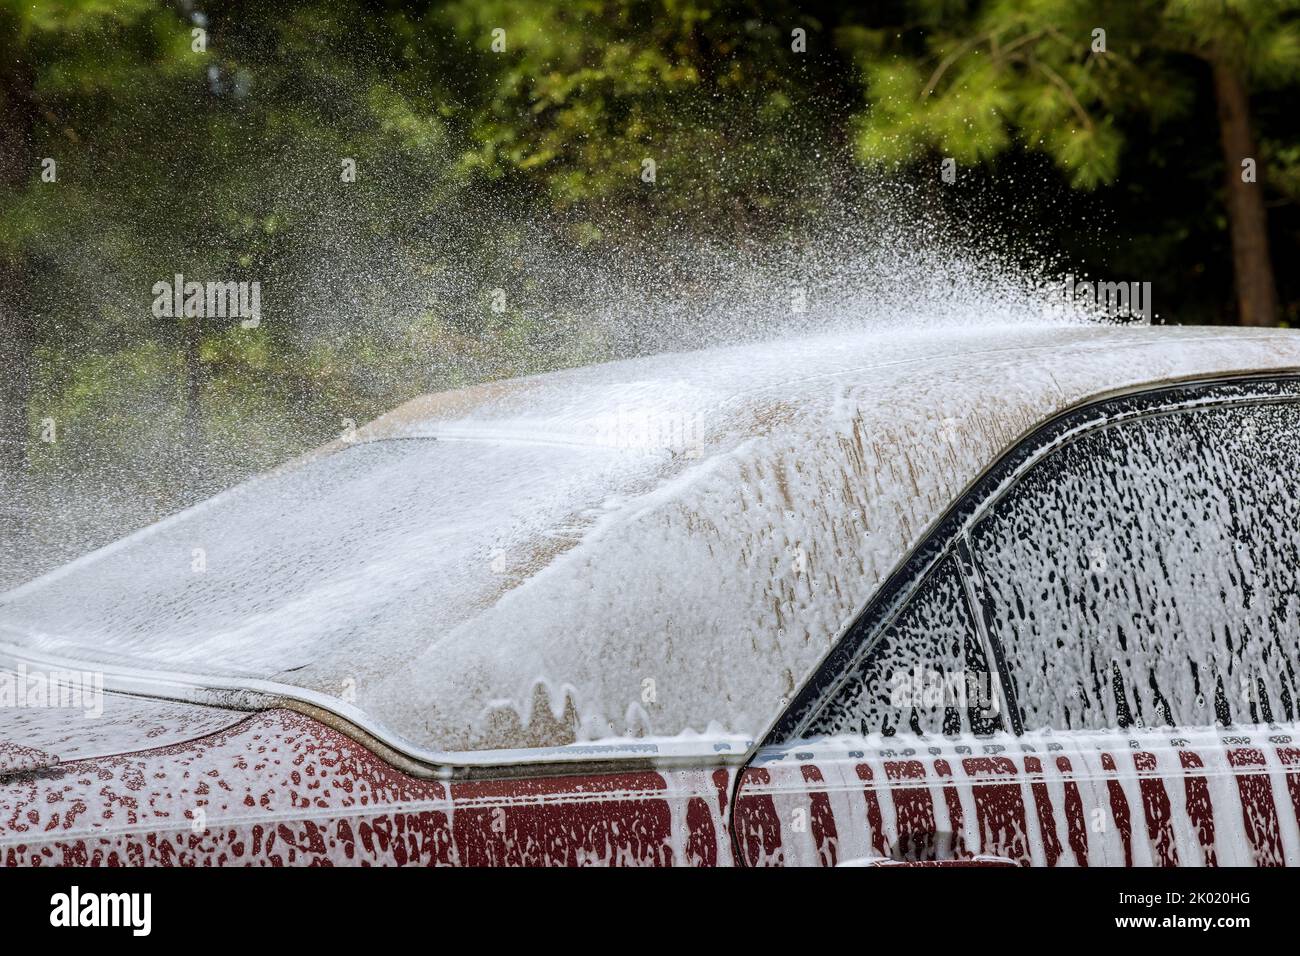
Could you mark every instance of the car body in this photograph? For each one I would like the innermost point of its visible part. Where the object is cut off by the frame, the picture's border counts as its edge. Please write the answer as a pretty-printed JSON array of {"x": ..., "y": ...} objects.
[{"x": 1018, "y": 595}]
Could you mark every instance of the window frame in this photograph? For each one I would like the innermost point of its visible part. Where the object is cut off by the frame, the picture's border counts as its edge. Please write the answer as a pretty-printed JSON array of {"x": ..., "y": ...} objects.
[
  {"x": 974, "y": 612},
  {"x": 949, "y": 534}
]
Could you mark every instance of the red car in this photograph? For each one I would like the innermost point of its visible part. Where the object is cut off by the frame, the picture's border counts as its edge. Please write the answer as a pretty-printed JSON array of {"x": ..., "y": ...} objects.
[{"x": 1020, "y": 596}]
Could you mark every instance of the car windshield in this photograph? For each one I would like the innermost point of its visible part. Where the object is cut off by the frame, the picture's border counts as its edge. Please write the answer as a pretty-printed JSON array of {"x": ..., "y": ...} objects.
[{"x": 332, "y": 575}]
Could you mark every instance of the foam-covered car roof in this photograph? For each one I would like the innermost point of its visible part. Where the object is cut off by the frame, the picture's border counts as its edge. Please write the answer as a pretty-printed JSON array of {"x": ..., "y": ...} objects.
[{"x": 657, "y": 548}]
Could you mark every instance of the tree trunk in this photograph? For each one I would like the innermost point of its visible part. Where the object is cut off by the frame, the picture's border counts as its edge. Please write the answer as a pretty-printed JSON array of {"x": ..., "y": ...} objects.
[{"x": 1247, "y": 221}]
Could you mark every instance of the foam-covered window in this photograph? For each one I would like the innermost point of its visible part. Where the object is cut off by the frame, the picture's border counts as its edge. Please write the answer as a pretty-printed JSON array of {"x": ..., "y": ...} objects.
[
  {"x": 925, "y": 673},
  {"x": 1146, "y": 574}
]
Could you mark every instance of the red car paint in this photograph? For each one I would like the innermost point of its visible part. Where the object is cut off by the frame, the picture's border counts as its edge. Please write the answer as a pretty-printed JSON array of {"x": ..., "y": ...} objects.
[
  {"x": 1116, "y": 800},
  {"x": 280, "y": 789}
]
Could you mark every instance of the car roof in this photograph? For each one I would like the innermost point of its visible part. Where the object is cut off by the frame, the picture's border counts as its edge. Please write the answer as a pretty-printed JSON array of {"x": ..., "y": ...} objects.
[{"x": 649, "y": 550}]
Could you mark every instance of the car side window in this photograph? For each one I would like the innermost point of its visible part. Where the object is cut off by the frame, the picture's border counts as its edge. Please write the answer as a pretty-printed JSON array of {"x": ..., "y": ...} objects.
[
  {"x": 925, "y": 672},
  {"x": 1146, "y": 572}
]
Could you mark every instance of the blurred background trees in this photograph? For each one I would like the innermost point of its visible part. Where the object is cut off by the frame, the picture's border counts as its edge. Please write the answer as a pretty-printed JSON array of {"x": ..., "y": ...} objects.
[
  {"x": 1071, "y": 79},
  {"x": 500, "y": 144}
]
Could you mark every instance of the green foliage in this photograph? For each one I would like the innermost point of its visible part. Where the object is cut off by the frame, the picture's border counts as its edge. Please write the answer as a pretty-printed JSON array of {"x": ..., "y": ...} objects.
[
  {"x": 583, "y": 93},
  {"x": 972, "y": 80},
  {"x": 1001, "y": 73}
]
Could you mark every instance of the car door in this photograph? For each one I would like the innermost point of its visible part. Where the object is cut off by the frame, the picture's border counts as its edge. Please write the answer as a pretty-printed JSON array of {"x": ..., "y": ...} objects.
[
  {"x": 1124, "y": 585},
  {"x": 908, "y": 757}
]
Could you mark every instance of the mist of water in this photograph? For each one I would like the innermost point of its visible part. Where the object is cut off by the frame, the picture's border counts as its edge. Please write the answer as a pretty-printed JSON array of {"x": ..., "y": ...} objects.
[{"x": 379, "y": 296}]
